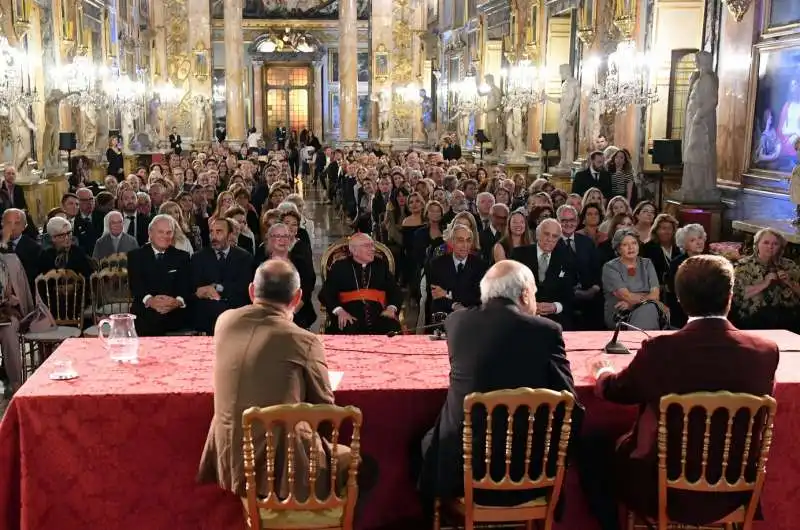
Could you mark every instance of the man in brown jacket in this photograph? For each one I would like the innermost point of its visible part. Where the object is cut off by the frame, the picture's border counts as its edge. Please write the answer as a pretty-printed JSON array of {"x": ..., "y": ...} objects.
[{"x": 263, "y": 359}]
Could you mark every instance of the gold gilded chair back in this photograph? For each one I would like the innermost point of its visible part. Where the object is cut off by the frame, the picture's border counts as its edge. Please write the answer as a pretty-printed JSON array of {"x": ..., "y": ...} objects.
[
  {"x": 64, "y": 293},
  {"x": 339, "y": 250},
  {"x": 110, "y": 292},
  {"x": 278, "y": 424},
  {"x": 114, "y": 261},
  {"x": 748, "y": 423},
  {"x": 537, "y": 404}
]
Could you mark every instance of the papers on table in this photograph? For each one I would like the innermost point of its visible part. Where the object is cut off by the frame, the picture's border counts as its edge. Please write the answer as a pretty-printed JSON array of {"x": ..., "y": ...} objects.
[{"x": 336, "y": 379}]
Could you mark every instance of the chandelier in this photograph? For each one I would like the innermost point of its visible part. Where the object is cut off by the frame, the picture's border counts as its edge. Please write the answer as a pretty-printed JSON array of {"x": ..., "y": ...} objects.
[
  {"x": 170, "y": 95},
  {"x": 83, "y": 81},
  {"x": 124, "y": 93},
  {"x": 627, "y": 81},
  {"x": 524, "y": 84},
  {"x": 12, "y": 88},
  {"x": 466, "y": 93},
  {"x": 288, "y": 41}
]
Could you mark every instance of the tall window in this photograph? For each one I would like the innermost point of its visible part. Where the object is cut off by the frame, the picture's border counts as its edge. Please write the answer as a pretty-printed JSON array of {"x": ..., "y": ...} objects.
[
  {"x": 288, "y": 93},
  {"x": 682, "y": 66}
]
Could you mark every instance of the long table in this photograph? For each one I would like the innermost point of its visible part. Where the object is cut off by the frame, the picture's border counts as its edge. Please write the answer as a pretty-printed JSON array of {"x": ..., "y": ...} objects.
[{"x": 119, "y": 446}]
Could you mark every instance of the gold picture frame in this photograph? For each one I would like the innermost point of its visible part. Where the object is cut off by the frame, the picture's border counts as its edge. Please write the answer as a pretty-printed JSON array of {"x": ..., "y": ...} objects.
[
  {"x": 773, "y": 29},
  {"x": 381, "y": 63},
  {"x": 753, "y": 119},
  {"x": 201, "y": 62}
]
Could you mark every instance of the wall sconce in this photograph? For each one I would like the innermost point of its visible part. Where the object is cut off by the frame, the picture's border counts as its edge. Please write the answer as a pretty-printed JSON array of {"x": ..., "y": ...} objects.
[
  {"x": 21, "y": 17},
  {"x": 586, "y": 22},
  {"x": 625, "y": 17}
]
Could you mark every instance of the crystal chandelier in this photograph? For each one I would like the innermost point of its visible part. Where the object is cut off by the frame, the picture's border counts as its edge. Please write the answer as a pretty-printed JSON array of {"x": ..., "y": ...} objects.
[
  {"x": 12, "y": 88},
  {"x": 627, "y": 81},
  {"x": 466, "y": 93},
  {"x": 124, "y": 93},
  {"x": 82, "y": 80},
  {"x": 524, "y": 84},
  {"x": 170, "y": 95}
]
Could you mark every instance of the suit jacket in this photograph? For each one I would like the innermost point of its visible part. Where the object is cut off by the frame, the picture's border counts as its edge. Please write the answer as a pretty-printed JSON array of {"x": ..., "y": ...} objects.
[
  {"x": 559, "y": 283},
  {"x": 586, "y": 260},
  {"x": 706, "y": 355},
  {"x": 234, "y": 274},
  {"x": 584, "y": 180},
  {"x": 262, "y": 359},
  {"x": 652, "y": 251},
  {"x": 490, "y": 349},
  {"x": 488, "y": 239},
  {"x": 18, "y": 196},
  {"x": 171, "y": 277},
  {"x": 142, "y": 226},
  {"x": 29, "y": 253},
  {"x": 465, "y": 289},
  {"x": 104, "y": 246},
  {"x": 87, "y": 232}
]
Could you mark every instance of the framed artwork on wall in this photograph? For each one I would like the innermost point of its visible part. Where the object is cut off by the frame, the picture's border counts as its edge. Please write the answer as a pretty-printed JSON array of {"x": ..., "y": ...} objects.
[
  {"x": 381, "y": 63},
  {"x": 333, "y": 65},
  {"x": 781, "y": 16}
]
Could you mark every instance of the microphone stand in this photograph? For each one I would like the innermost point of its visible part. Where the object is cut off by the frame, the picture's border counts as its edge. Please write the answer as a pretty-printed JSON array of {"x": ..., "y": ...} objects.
[
  {"x": 437, "y": 334},
  {"x": 614, "y": 346}
]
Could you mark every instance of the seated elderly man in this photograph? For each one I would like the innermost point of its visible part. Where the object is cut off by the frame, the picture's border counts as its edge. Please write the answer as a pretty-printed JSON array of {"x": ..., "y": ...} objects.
[
  {"x": 16, "y": 241},
  {"x": 114, "y": 240},
  {"x": 455, "y": 277},
  {"x": 16, "y": 301},
  {"x": 361, "y": 293}
]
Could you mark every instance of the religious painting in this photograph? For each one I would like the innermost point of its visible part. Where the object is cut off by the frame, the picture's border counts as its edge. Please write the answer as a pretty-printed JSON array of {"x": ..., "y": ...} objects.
[
  {"x": 333, "y": 66},
  {"x": 363, "y": 112},
  {"x": 300, "y": 9},
  {"x": 381, "y": 63},
  {"x": 783, "y": 13},
  {"x": 201, "y": 62},
  {"x": 363, "y": 67},
  {"x": 776, "y": 110}
]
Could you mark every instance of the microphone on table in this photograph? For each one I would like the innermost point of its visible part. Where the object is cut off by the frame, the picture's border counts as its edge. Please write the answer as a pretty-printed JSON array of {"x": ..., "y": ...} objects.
[
  {"x": 614, "y": 346},
  {"x": 438, "y": 334}
]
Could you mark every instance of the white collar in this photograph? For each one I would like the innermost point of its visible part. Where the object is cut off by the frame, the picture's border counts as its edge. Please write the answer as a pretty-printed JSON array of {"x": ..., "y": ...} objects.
[
  {"x": 717, "y": 317},
  {"x": 540, "y": 253},
  {"x": 458, "y": 262}
]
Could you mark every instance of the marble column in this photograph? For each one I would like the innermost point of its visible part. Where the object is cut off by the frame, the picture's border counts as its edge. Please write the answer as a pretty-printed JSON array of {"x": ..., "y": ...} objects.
[
  {"x": 234, "y": 69},
  {"x": 316, "y": 120},
  {"x": 199, "y": 13},
  {"x": 258, "y": 97},
  {"x": 348, "y": 70}
]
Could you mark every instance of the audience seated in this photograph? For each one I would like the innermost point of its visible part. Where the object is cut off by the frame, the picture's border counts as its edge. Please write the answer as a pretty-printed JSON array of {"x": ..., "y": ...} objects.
[
  {"x": 361, "y": 292},
  {"x": 588, "y": 299},
  {"x": 87, "y": 225},
  {"x": 114, "y": 240},
  {"x": 136, "y": 223},
  {"x": 490, "y": 349},
  {"x": 454, "y": 278},
  {"x": 708, "y": 355},
  {"x": 691, "y": 240},
  {"x": 160, "y": 281}
]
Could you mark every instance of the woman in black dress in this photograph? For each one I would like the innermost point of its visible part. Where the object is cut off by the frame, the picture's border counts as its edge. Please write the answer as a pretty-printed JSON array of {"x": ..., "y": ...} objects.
[{"x": 114, "y": 158}]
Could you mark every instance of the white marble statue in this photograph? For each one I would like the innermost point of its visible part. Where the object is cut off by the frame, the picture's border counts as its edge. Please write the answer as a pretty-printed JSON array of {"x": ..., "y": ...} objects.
[
  {"x": 428, "y": 125},
  {"x": 515, "y": 134},
  {"x": 128, "y": 130},
  {"x": 569, "y": 105},
  {"x": 101, "y": 143},
  {"x": 794, "y": 184},
  {"x": 204, "y": 121},
  {"x": 52, "y": 125},
  {"x": 492, "y": 113},
  {"x": 21, "y": 128},
  {"x": 699, "y": 182},
  {"x": 384, "y": 110},
  {"x": 88, "y": 136}
]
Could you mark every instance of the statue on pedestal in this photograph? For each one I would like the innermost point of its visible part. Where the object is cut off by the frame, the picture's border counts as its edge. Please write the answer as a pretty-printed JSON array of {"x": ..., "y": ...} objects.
[
  {"x": 128, "y": 130},
  {"x": 570, "y": 102},
  {"x": 515, "y": 134},
  {"x": 492, "y": 112},
  {"x": 202, "y": 132},
  {"x": 21, "y": 129},
  {"x": 52, "y": 126},
  {"x": 382, "y": 99},
  {"x": 101, "y": 142},
  {"x": 88, "y": 136},
  {"x": 699, "y": 182},
  {"x": 794, "y": 186},
  {"x": 427, "y": 116}
]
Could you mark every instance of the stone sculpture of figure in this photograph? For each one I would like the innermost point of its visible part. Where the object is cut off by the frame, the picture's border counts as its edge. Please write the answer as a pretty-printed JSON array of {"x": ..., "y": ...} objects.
[
  {"x": 492, "y": 113},
  {"x": 569, "y": 105},
  {"x": 699, "y": 182},
  {"x": 52, "y": 124},
  {"x": 101, "y": 142},
  {"x": 382, "y": 99},
  {"x": 427, "y": 116},
  {"x": 201, "y": 132},
  {"x": 128, "y": 130},
  {"x": 21, "y": 128},
  {"x": 88, "y": 127},
  {"x": 515, "y": 134},
  {"x": 794, "y": 186},
  {"x": 161, "y": 123}
]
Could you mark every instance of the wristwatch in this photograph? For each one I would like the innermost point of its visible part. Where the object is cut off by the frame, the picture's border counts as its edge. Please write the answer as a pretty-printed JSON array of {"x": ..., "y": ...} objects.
[{"x": 219, "y": 287}]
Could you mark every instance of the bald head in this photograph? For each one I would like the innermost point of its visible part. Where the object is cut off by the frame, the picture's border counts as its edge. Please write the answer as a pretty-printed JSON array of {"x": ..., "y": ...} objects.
[
  {"x": 510, "y": 280},
  {"x": 276, "y": 282}
]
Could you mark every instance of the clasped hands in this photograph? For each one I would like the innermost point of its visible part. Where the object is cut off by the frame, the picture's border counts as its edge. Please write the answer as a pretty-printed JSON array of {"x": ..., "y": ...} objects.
[
  {"x": 163, "y": 304},
  {"x": 779, "y": 277},
  {"x": 438, "y": 293},
  {"x": 345, "y": 319},
  {"x": 207, "y": 292}
]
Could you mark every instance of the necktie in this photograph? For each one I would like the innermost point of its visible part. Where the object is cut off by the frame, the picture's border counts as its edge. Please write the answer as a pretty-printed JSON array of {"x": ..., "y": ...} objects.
[
  {"x": 459, "y": 269},
  {"x": 571, "y": 244},
  {"x": 485, "y": 224},
  {"x": 544, "y": 261},
  {"x": 220, "y": 255},
  {"x": 12, "y": 245},
  {"x": 159, "y": 257},
  {"x": 131, "y": 225}
]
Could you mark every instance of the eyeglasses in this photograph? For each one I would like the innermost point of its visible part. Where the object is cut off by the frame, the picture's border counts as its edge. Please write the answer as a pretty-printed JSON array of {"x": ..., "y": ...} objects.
[
  {"x": 64, "y": 235},
  {"x": 280, "y": 236}
]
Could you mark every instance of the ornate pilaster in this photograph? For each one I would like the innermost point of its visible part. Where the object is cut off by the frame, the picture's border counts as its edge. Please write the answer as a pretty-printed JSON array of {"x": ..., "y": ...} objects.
[
  {"x": 234, "y": 70},
  {"x": 258, "y": 96},
  {"x": 318, "y": 96},
  {"x": 200, "y": 57},
  {"x": 348, "y": 70}
]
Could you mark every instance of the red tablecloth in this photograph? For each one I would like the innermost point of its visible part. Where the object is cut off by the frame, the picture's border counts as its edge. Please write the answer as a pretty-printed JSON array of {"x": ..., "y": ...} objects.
[{"x": 119, "y": 446}]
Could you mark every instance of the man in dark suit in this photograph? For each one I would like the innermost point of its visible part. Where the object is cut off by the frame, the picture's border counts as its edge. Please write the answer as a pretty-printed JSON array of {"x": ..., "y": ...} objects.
[
  {"x": 454, "y": 278},
  {"x": 553, "y": 268},
  {"x": 595, "y": 176},
  {"x": 220, "y": 277},
  {"x": 498, "y": 219},
  {"x": 708, "y": 355},
  {"x": 15, "y": 240},
  {"x": 490, "y": 349},
  {"x": 15, "y": 194},
  {"x": 588, "y": 298},
  {"x": 136, "y": 224},
  {"x": 88, "y": 227},
  {"x": 451, "y": 149},
  {"x": 160, "y": 281}
]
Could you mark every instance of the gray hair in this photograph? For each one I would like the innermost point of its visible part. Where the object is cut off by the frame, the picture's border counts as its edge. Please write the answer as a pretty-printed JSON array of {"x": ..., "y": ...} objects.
[
  {"x": 545, "y": 222},
  {"x": 621, "y": 234},
  {"x": 142, "y": 195},
  {"x": 107, "y": 220},
  {"x": 287, "y": 206},
  {"x": 58, "y": 225},
  {"x": 484, "y": 194},
  {"x": 690, "y": 230},
  {"x": 359, "y": 235},
  {"x": 276, "y": 280},
  {"x": 450, "y": 233},
  {"x": 509, "y": 285},
  {"x": 163, "y": 217},
  {"x": 500, "y": 206},
  {"x": 19, "y": 212},
  {"x": 274, "y": 228},
  {"x": 566, "y": 208}
]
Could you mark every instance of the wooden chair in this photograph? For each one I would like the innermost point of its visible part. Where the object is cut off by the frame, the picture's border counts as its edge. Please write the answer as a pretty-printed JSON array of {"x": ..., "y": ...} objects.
[
  {"x": 113, "y": 261},
  {"x": 110, "y": 295},
  {"x": 759, "y": 411},
  {"x": 539, "y": 509},
  {"x": 278, "y": 423},
  {"x": 63, "y": 291},
  {"x": 339, "y": 250}
]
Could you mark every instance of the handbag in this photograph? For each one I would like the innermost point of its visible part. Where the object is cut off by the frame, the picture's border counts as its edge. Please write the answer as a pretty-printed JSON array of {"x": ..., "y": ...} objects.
[{"x": 38, "y": 320}]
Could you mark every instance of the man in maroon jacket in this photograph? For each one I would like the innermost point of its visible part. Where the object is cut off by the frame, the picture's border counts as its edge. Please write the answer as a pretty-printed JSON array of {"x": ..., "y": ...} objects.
[{"x": 709, "y": 354}]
